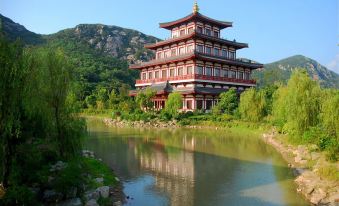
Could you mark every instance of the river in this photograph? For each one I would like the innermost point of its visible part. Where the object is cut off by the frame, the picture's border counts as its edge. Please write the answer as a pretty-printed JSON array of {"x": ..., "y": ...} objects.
[{"x": 194, "y": 166}]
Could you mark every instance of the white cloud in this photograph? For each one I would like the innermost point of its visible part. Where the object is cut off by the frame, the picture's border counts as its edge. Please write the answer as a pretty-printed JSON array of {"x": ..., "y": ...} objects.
[{"x": 334, "y": 64}]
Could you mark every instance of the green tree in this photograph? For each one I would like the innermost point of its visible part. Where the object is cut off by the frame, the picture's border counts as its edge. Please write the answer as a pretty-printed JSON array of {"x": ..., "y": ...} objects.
[
  {"x": 91, "y": 101},
  {"x": 228, "y": 101},
  {"x": 173, "y": 104},
  {"x": 102, "y": 98},
  {"x": 252, "y": 105},
  {"x": 302, "y": 103},
  {"x": 144, "y": 98},
  {"x": 330, "y": 112},
  {"x": 56, "y": 79},
  {"x": 13, "y": 80}
]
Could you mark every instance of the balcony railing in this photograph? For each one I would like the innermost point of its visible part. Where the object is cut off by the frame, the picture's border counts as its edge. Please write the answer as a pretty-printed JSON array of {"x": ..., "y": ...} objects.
[
  {"x": 178, "y": 57},
  {"x": 196, "y": 77}
]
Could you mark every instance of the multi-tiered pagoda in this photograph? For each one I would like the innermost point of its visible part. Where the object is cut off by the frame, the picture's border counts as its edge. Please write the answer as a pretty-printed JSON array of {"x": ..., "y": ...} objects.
[{"x": 195, "y": 62}]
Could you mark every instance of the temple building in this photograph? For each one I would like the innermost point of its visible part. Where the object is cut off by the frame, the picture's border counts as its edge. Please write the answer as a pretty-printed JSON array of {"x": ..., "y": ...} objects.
[{"x": 196, "y": 62}]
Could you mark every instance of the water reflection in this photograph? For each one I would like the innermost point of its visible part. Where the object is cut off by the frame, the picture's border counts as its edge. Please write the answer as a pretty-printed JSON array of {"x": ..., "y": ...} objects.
[{"x": 194, "y": 167}]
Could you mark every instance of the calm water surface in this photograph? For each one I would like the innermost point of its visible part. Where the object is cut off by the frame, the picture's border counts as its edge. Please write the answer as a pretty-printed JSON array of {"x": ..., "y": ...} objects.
[{"x": 194, "y": 167}]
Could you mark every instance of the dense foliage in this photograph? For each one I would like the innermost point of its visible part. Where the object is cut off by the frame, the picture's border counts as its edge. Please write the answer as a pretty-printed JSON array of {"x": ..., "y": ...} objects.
[
  {"x": 37, "y": 117},
  {"x": 252, "y": 105},
  {"x": 228, "y": 102},
  {"x": 173, "y": 104}
]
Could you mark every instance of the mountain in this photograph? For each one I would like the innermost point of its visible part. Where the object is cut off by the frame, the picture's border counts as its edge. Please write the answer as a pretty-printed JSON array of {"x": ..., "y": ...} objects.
[
  {"x": 99, "y": 53},
  {"x": 281, "y": 71},
  {"x": 15, "y": 31},
  {"x": 125, "y": 44}
]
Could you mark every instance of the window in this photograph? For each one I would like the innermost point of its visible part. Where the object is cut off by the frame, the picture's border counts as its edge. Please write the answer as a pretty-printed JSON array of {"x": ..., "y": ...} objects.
[
  {"x": 156, "y": 74},
  {"x": 163, "y": 73},
  {"x": 232, "y": 54},
  {"x": 200, "y": 48},
  {"x": 190, "y": 30},
  {"x": 241, "y": 75},
  {"x": 225, "y": 73},
  {"x": 208, "y": 50},
  {"x": 199, "y": 29},
  {"x": 174, "y": 34},
  {"x": 208, "y": 32},
  {"x": 182, "y": 32},
  {"x": 247, "y": 76},
  {"x": 143, "y": 77},
  {"x": 217, "y": 72},
  {"x": 216, "y": 51},
  {"x": 173, "y": 52},
  {"x": 171, "y": 72},
  {"x": 208, "y": 104},
  {"x": 189, "y": 48},
  {"x": 199, "y": 69},
  {"x": 167, "y": 53},
  {"x": 216, "y": 34},
  {"x": 199, "y": 104},
  {"x": 208, "y": 71},
  {"x": 224, "y": 53},
  {"x": 150, "y": 76},
  {"x": 159, "y": 55},
  {"x": 189, "y": 70},
  {"x": 180, "y": 71},
  {"x": 189, "y": 104},
  {"x": 231, "y": 74},
  {"x": 181, "y": 50}
]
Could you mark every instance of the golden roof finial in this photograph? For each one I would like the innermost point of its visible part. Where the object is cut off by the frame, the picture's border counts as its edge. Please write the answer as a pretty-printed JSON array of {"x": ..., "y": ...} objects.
[{"x": 195, "y": 7}]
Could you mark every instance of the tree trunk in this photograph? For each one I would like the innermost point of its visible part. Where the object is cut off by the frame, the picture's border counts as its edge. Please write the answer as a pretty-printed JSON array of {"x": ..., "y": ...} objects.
[
  {"x": 6, "y": 162},
  {"x": 58, "y": 126}
]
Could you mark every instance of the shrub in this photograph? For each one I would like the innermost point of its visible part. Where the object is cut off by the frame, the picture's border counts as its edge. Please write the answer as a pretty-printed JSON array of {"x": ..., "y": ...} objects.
[
  {"x": 228, "y": 101},
  {"x": 173, "y": 104}
]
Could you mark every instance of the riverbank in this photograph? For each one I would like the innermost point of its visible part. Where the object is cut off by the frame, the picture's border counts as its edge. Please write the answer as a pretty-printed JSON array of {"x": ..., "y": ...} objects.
[
  {"x": 86, "y": 181},
  {"x": 316, "y": 178}
]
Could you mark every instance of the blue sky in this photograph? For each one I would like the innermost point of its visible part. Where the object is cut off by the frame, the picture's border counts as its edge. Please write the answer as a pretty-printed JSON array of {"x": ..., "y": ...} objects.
[{"x": 274, "y": 29}]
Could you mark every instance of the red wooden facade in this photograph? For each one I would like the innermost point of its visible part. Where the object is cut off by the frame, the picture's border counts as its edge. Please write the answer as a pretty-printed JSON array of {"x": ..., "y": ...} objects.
[{"x": 196, "y": 62}]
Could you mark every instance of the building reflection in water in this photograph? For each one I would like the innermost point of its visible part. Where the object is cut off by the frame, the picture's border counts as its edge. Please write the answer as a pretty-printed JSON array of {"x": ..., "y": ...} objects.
[{"x": 173, "y": 171}]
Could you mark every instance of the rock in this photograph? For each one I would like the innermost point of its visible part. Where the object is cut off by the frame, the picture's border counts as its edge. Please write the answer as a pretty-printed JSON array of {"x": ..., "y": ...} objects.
[
  {"x": 51, "y": 196},
  {"x": 334, "y": 199},
  {"x": 71, "y": 202},
  {"x": 297, "y": 159},
  {"x": 60, "y": 165},
  {"x": 103, "y": 191},
  {"x": 72, "y": 193},
  {"x": 315, "y": 155},
  {"x": 117, "y": 179},
  {"x": 92, "y": 202},
  {"x": 99, "y": 180},
  {"x": 317, "y": 196},
  {"x": 94, "y": 194},
  {"x": 309, "y": 189}
]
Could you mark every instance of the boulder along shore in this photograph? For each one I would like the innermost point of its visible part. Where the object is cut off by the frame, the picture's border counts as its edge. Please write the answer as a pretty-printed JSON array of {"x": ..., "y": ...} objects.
[{"x": 306, "y": 161}]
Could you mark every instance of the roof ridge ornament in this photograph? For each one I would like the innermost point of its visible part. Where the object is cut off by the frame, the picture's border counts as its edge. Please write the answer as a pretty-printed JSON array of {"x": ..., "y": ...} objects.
[{"x": 195, "y": 7}]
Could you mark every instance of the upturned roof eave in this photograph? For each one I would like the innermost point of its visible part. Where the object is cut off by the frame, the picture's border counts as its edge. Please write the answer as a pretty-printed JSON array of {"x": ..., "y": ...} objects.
[{"x": 171, "y": 24}]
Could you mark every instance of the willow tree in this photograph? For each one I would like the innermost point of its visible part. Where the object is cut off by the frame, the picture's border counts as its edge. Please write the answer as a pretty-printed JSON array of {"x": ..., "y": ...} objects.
[
  {"x": 13, "y": 80},
  {"x": 301, "y": 102},
  {"x": 56, "y": 90},
  {"x": 173, "y": 104},
  {"x": 330, "y": 112},
  {"x": 252, "y": 105}
]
